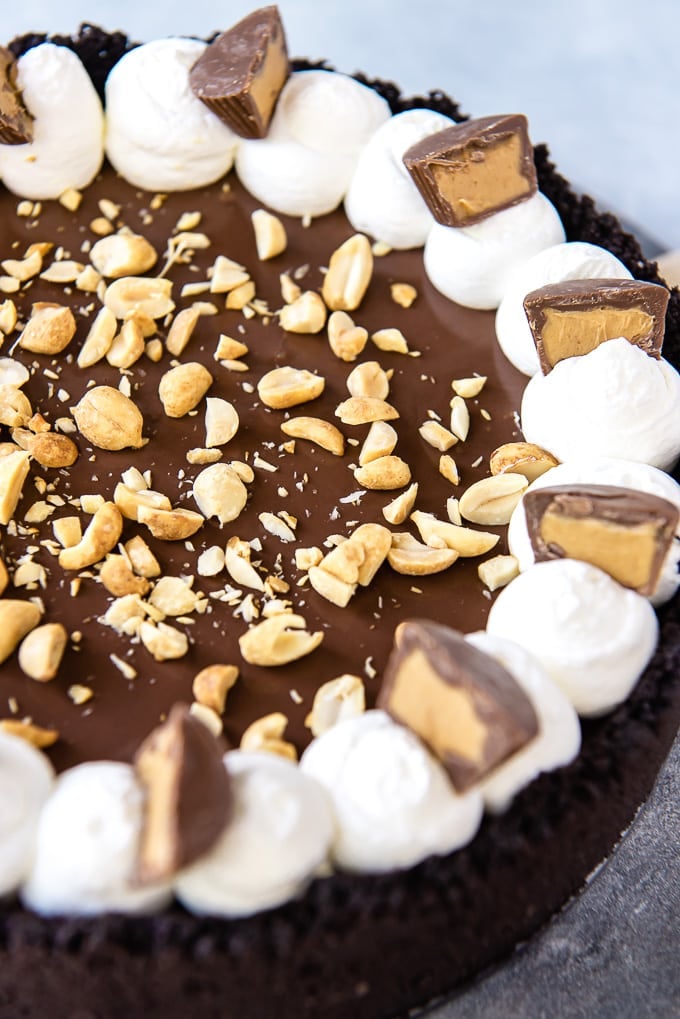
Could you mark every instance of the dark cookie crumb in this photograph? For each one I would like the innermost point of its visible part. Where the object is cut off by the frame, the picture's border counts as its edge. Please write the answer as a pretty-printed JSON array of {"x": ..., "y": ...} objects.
[{"x": 98, "y": 49}]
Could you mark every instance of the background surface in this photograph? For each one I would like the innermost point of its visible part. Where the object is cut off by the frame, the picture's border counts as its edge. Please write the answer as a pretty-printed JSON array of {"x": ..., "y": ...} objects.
[{"x": 599, "y": 81}]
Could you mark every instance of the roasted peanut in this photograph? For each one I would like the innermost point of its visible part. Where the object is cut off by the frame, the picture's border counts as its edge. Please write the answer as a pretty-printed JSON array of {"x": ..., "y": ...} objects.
[
  {"x": 219, "y": 492},
  {"x": 170, "y": 524},
  {"x": 182, "y": 388},
  {"x": 349, "y": 273},
  {"x": 286, "y": 387},
  {"x": 123, "y": 254},
  {"x": 278, "y": 640},
  {"x": 335, "y": 701},
  {"x": 42, "y": 650},
  {"x": 212, "y": 684},
  {"x": 100, "y": 537},
  {"x": 264, "y": 735},
  {"x": 109, "y": 419},
  {"x": 17, "y": 618},
  {"x": 492, "y": 500},
  {"x": 49, "y": 330},
  {"x": 14, "y": 469},
  {"x": 316, "y": 430}
]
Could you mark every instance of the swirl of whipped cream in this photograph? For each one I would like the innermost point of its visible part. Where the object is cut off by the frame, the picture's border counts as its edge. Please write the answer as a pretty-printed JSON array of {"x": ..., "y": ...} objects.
[
  {"x": 382, "y": 199},
  {"x": 394, "y": 804},
  {"x": 573, "y": 260},
  {"x": 86, "y": 846},
  {"x": 614, "y": 401},
  {"x": 305, "y": 164},
  {"x": 68, "y": 127},
  {"x": 159, "y": 136},
  {"x": 604, "y": 471},
  {"x": 471, "y": 265},
  {"x": 559, "y": 731},
  {"x": 26, "y": 778},
  {"x": 593, "y": 637},
  {"x": 278, "y": 838}
]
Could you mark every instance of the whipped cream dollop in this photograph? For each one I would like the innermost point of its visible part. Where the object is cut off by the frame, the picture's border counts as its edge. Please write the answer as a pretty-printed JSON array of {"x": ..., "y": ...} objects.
[
  {"x": 604, "y": 471},
  {"x": 26, "y": 778},
  {"x": 593, "y": 637},
  {"x": 559, "y": 731},
  {"x": 393, "y": 802},
  {"x": 573, "y": 260},
  {"x": 383, "y": 200},
  {"x": 472, "y": 265},
  {"x": 68, "y": 127},
  {"x": 278, "y": 838},
  {"x": 615, "y": 401},
  {"x": 86, "y": 846},
  {"x": 159, "y": 136},
  {"x": 321, "y": 123}
]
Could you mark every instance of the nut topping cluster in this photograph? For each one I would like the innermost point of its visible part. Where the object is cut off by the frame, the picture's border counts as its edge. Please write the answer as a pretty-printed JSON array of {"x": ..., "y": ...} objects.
[{"x": 164, "y": 322}]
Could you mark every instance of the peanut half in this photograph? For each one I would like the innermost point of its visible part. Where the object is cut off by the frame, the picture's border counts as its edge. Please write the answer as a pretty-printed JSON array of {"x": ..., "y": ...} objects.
[
  {"x": 182, "y": 388},
  {"x": 345, "y": 339},
  {"x": 286, "y": 387},
  {"x": 14, "y": 469},
  {"x": 409, "y": 556},
  {"x": 219, "y": 492},
  {"x": 349, "y": 273},
  {"x": 42, "y": 650},
  {"x": 212, "y": 684},
  {"x": 49, "y": 330},
  {"x": 441, "y": 534},
  {"x": 522, "y": 458},
  {"x": 307, "y": 314},
  {"x": 316, "y": 430},
  {"x": 123, "y": 254},
  {"x": 17, "y": 618},
  {"x": 492, "y": 500},
  {"x": 270, "y": 234},
  {"x": 387, "y": 472},
  {"x": 278, "y": 640},
  {"x": 335, "y": 701},
  {"x": 100, "y": 537},
  {"x": 264, "y": 735}
]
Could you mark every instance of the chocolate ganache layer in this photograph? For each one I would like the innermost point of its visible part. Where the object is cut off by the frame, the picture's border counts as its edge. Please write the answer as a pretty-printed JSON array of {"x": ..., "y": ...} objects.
[
  {"x": 451, "y": 342},
  {"x": 441, "y": 922}
]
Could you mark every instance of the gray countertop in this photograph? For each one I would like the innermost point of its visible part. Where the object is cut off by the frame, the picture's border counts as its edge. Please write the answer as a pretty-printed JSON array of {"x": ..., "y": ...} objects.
[
  {"x": 614, "y": 952},
  {"x": 600, "y": 82}
]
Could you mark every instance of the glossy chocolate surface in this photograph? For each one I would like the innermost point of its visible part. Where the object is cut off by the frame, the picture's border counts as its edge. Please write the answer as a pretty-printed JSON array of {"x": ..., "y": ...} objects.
[{"x": 454, "y": 343}]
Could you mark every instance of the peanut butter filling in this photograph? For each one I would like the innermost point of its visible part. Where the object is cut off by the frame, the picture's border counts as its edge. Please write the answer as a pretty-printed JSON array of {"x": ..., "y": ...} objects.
[
  {"x": 572, "y": 333},
  {"x": 486, "y": 178},
  {"x": 626, "y": 553},
  {"x": 444, "y": 713}
]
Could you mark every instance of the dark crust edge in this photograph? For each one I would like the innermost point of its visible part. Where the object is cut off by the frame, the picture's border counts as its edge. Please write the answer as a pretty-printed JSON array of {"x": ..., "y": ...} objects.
[{"x": 317, "y": 956}]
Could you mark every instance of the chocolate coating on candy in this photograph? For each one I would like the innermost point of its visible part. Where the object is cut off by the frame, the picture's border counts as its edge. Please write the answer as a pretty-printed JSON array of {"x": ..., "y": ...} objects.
[
  {"x": 461, "y": 702},
  {"x": 16, "y": 123},
  {"x": 626, "y": 533},
  {"x": 188, "y": 794},
  {"x": 473, "y": 170},
  {"x": 574, "y": 317},
  {"x": 240, "y": 75}
]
